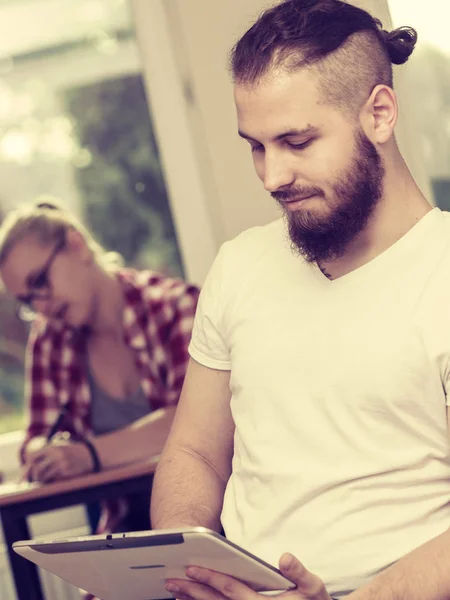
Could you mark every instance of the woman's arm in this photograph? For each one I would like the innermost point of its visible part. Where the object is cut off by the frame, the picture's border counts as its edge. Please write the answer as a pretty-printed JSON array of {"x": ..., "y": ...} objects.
[
  {"x": 63, "y": 458},
  {"x": 139, "y": 441},
  {"x": 41, "y": 401}
]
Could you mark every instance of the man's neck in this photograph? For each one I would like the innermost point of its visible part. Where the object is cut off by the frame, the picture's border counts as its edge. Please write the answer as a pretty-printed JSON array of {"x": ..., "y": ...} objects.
[{"x": 400, "y": 209}]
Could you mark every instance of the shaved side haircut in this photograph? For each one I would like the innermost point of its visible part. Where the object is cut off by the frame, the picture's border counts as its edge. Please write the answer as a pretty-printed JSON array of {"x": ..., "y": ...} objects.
[{"x": 348, "y": 48}]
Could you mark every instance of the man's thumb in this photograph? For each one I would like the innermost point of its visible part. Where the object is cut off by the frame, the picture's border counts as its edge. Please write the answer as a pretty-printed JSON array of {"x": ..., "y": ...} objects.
[
  {"x": 307, "y": 583},
  {"x": 292, "y": 568}
]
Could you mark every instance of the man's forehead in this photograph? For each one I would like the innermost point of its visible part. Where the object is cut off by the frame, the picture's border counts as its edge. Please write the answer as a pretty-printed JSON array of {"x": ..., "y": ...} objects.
[
  {"x": 277, "y": 106},
  {"x": 289, "y": 96},
  {"x": 279, "y": 83}
]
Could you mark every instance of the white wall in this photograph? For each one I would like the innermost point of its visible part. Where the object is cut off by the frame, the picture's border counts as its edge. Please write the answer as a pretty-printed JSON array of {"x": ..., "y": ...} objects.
[
  {"x": 214, "y": 192},
  {"x": 178, "y": 137},
  {"x": 208, "y": 31},
  {"x": 406, "y": 132}
]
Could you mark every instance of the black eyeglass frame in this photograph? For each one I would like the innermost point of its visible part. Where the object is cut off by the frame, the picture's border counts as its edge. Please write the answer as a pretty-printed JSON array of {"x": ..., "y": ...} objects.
[{"x": 24, "y": 308}]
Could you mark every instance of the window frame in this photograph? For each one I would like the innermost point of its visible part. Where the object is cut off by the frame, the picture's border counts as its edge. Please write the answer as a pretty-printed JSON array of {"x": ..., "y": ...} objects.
[{"x": 169, "y": 100}]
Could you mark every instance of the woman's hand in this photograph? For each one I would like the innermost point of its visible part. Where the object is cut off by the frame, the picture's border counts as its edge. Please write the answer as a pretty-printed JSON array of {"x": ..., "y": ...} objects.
[
  {"x": 60, "y": 459},
  {"x": 210, "y": 585}
]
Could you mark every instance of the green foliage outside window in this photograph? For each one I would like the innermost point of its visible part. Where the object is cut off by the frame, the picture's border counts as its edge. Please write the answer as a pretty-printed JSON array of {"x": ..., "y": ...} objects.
[{"x": 123, "y": 191}]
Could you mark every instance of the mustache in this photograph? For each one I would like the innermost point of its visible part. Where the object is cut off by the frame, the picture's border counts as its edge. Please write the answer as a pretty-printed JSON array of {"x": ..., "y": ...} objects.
[{"x": 295, "y": 192}]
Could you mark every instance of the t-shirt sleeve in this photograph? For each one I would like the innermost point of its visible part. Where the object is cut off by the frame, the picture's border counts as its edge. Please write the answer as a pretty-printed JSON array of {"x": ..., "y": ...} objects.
[{"x": 208, "y": 344}]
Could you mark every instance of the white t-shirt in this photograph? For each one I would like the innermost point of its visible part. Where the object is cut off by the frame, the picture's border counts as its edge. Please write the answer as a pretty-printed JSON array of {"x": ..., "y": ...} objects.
[{"x": 341, "y": 449}]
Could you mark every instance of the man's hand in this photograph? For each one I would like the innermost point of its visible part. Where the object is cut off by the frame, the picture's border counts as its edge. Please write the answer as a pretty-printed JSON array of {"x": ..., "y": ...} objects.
[
  {"x": 204, "y": 584},
  {"x": 57, "y": 460}
]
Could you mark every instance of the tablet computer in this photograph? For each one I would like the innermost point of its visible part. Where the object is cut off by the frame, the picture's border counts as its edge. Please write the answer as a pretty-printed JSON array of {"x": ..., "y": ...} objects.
[{"x": 136, "y": 565}]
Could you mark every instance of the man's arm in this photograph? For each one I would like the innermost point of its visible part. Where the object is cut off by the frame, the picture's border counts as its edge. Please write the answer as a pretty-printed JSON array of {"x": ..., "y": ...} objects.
[
  {"x": 423, "y": 574},
  {"x": 196, "y": 462}
]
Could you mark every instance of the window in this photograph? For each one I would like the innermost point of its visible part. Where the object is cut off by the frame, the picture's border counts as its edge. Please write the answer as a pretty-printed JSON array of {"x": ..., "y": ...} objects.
[
  {"x": 75, "y": 125},
  {"x": 427, "y": 78}
]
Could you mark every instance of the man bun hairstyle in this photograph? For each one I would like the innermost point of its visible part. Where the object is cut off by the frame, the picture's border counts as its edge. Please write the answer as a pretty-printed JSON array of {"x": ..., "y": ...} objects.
[
  {"x": 348, "y": 47},
  {"x": 400, "y": 44}
]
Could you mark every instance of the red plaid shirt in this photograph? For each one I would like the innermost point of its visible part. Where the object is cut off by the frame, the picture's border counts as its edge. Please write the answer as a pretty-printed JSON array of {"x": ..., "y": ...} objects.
[{"x": 157, "y": 321}]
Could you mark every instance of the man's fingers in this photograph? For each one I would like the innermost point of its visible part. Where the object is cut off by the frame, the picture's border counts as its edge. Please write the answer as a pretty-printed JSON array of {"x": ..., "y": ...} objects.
[
  {"x": 226, "y": 586},
  {"x": 204, "y": 584},
  {"x": 189, "y": 590},
  {"x": 181, "y": 596},
  {"x": 292, "y": 568},
  {"x": 308, "y": 584}
]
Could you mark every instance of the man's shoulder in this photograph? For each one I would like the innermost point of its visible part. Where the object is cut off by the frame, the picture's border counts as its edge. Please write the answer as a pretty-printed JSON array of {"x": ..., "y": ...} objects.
[
  {"x": 432, "y": 264},
  {"x": 439, "y": 235},
  {"x": 440, "y": 214},
  {"x": 252, "y": 244},
  {"x": 253, "y": 251},
  {"x": 260, "y": 235},
  {"x": 445, "y": 216}
]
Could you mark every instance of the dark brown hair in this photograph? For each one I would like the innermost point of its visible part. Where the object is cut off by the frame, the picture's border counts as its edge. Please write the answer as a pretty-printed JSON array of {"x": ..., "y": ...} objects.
[{"x": 348, "y": 46}]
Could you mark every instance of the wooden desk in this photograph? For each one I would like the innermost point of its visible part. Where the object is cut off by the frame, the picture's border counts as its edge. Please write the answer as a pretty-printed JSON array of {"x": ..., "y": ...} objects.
[{"x": 16, "y": 506}]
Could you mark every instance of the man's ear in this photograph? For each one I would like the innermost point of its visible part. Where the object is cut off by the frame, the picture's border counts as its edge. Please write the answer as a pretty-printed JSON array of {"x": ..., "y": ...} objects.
[
  {"x": 379, "y": 115},
  {"x": 76, "y": 243}
]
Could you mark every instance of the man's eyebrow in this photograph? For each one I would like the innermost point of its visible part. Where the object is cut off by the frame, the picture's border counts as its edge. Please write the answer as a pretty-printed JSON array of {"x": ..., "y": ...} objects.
[{"x": 310, "y": 130}]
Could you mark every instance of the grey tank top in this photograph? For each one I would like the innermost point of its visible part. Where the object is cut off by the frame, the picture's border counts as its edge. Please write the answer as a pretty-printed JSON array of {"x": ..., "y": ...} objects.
[{"x": 108, "y": 414}]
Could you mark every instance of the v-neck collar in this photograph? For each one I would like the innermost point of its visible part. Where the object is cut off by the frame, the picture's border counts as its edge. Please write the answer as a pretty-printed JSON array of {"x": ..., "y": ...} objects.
[{"x": 398, "y": 248}]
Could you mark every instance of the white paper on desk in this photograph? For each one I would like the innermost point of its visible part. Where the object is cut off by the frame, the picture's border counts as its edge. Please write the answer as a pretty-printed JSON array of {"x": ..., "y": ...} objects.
[{"x": 16, "y": 487}]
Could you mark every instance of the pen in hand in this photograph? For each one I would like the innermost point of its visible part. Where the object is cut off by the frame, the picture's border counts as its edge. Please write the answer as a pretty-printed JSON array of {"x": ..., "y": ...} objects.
[
  {"x": 57, "y": 424},
  {"x": 26, "y": 475}
]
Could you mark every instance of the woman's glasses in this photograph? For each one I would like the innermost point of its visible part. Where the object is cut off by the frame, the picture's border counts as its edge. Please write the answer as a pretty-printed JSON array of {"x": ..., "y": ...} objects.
[{"x": 39, "y": 286}]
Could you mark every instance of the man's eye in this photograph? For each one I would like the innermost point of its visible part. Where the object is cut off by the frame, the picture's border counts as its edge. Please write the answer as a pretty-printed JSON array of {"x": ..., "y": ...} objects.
[
  {"x": 300, "y": 146},
  {"x": 258, "y": 148}
]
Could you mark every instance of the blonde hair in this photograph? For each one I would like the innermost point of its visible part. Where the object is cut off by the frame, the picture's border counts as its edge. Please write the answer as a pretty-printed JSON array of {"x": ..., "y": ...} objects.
[{"x": 47, "y": 223}]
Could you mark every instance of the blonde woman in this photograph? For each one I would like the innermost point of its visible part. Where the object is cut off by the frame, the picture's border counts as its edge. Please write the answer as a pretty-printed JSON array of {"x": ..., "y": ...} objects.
[{"x": 106, "y": 355}]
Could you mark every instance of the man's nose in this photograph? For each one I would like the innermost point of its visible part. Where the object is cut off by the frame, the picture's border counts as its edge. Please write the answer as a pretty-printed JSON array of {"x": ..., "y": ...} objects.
[{"x": 277, "y": 173}]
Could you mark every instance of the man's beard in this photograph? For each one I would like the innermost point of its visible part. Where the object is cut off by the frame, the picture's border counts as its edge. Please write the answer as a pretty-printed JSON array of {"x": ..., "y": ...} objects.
[{"x": 323, "y": 238}]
